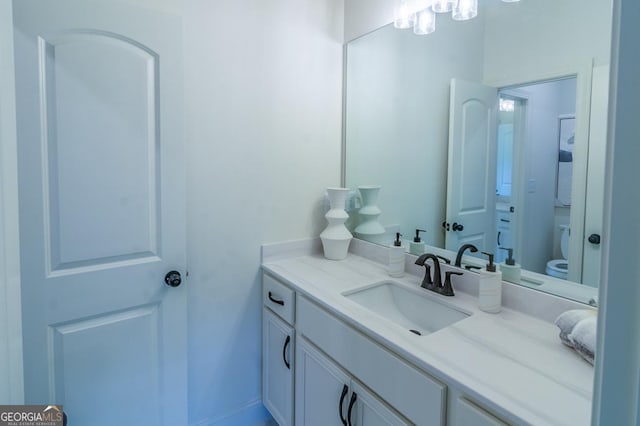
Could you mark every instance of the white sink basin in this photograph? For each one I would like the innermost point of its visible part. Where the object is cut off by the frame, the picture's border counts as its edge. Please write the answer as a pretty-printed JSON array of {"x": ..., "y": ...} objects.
[{"x": 412, "y": 308}]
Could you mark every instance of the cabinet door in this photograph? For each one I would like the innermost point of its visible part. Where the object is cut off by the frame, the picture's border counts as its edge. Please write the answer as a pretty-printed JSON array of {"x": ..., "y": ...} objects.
[
  {"x": 277, "y": 367},
  {"x": 469, "y": 414},
  {"x": 365, "y": 409},
  {"x": 322, "y": 388}
]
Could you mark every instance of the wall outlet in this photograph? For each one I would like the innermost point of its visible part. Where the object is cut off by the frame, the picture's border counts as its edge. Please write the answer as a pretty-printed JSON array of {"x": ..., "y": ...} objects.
[
  {"x": 352, "y": 202},
  {"x": 531, "y": 185}
]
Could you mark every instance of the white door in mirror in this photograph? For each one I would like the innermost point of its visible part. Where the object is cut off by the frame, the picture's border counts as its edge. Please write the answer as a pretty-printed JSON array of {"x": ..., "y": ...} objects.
[{"x": 471, "y": 192}]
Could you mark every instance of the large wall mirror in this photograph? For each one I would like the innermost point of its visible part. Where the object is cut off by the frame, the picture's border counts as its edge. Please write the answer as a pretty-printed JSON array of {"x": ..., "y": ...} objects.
[{"x": 535, "y": 182}]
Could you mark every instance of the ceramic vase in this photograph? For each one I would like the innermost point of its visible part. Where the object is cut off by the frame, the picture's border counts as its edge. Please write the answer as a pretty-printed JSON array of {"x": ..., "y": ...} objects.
[
  {"x": 369, "y": 228},
  {"x": 336, "y": 237}
]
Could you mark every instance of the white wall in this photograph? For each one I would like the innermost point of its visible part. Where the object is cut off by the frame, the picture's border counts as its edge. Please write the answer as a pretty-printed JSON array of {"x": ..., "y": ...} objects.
[
  {"x": 364, "y": 16},
  {"x": 263, "y": 83},
  {"x": 520, "y": 34},
  {"x": 397, "y": 104},
  {"x": 567, "y": 106},
  {"x": 11, "y": 382},
  {"x": 546, "y": 101}
]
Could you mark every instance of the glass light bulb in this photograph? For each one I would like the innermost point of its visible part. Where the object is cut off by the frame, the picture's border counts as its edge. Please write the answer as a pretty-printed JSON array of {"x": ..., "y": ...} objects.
[
  {"x": 425, "y": 22},
  {"x": 403, "y": 15},
  {"x": 443, "y": 6},
  {"x": 465, "y": 9}
]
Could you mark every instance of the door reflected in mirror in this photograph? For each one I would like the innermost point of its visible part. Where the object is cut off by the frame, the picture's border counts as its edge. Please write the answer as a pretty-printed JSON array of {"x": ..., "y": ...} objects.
[{"x": 531, "y": 177}]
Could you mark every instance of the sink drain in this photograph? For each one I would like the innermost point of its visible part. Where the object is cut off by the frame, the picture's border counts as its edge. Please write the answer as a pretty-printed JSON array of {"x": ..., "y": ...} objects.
[{"x": 416, "y": 332}]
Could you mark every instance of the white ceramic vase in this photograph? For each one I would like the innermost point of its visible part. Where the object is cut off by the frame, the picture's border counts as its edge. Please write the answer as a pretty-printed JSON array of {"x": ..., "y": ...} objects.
[
  {"x": 336, "y": 237},
  {"x": 369, "y": 228}
]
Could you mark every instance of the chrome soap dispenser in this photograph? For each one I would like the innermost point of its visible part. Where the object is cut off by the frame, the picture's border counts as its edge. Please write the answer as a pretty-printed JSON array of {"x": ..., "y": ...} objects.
[
  {"x": 417, "y": 245},
  {"x": 490, "y": 288}
]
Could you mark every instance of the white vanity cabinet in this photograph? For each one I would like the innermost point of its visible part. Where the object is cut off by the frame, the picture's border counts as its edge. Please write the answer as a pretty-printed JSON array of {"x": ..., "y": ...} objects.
[
  {"x": 278, "y": 343},
  {"x": 327, "y": 395},
  {"x": 318, "y": 370}
]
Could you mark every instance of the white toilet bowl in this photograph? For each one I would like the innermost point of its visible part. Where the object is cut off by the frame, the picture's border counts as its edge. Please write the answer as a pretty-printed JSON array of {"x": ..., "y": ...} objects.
[{"x": 559, "y": 267}]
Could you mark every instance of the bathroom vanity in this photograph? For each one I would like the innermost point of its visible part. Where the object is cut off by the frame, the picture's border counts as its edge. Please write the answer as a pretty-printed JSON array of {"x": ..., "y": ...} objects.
[{"x": 343, "y": 343}]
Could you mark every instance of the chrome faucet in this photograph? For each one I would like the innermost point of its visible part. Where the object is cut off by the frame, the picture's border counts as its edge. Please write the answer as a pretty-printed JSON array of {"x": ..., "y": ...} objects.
[{"x": 461, "y": 251}]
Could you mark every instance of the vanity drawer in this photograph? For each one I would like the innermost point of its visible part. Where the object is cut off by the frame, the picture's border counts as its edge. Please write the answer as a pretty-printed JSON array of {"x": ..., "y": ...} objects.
[
  {"x": 278, "y": 297},
  {"x": 468, "y": 413},
  {"x": 417, "y": 396}
]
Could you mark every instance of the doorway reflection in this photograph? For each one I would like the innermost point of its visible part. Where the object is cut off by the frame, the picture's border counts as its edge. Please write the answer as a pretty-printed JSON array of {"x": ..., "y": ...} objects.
[{"x": 533, "y": 177}]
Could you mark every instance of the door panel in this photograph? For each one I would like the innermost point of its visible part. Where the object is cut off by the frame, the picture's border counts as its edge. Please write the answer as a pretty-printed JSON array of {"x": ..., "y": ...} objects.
[
  {"x": 121, "y": 369},
  {"x": 594, "y": 210},
  {"x": 278, "y": 339},
  {"x": 371, "y": 411},
  {"x": 101, "y": 183},
  {"x": 100, "y": 114},
  {"x": 470, "y": 414},
  {"x": 471, "y": 198}
]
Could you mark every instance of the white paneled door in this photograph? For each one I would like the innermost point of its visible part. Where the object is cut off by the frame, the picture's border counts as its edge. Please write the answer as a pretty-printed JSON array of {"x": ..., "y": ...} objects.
[
  {"x": 101, "y": 186},
  {"x": 471, "y": 191}
]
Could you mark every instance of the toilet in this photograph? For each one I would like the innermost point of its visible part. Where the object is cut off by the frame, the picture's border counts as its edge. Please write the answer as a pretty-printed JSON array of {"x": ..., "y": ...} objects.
[{"x": 558, "y": 267}]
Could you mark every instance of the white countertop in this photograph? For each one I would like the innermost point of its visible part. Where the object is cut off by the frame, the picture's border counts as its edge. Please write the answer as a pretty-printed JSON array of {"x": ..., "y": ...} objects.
[{"x": 512, "y": 363}]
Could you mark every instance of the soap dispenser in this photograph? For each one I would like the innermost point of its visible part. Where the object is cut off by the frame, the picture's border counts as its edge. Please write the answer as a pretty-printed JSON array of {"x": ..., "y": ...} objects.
[
  {"x": 490, "y": 288},
  {"x": 396, "y": 258},
  {"x": 510, "y": 269},
  {"x": 417, "y": 245}
]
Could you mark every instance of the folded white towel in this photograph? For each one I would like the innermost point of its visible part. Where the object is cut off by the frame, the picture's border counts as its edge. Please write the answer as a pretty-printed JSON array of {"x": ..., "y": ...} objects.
[
  {"x": 568, "y": 320},
  {"x": 583, "y": 338}
]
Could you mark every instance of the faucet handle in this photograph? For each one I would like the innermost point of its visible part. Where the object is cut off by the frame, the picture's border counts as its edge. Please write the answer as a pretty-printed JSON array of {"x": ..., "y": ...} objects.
[
  {"x": 444, "y": 259},
  {"x": 447, "y": 288},
  {"x": 427, "y": 275},
  {"x": 427, "y": 283}
]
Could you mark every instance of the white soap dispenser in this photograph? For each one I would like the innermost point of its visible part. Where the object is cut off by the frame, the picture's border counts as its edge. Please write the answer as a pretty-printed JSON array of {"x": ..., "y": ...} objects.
[
  {"x": 490, "y": 288},
  {"x": 511, "y": 270},
  {"x": 417, "y": 245},
  {"x": 396, "y": 258}
]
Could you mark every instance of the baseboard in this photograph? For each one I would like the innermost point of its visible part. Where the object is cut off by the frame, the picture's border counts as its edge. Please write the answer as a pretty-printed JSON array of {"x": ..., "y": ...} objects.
[{"x": 251, "y": 414}]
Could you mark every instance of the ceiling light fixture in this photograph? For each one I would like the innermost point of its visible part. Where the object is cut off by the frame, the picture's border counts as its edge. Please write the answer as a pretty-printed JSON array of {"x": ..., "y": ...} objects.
[{"x": 421, "y": 14}]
